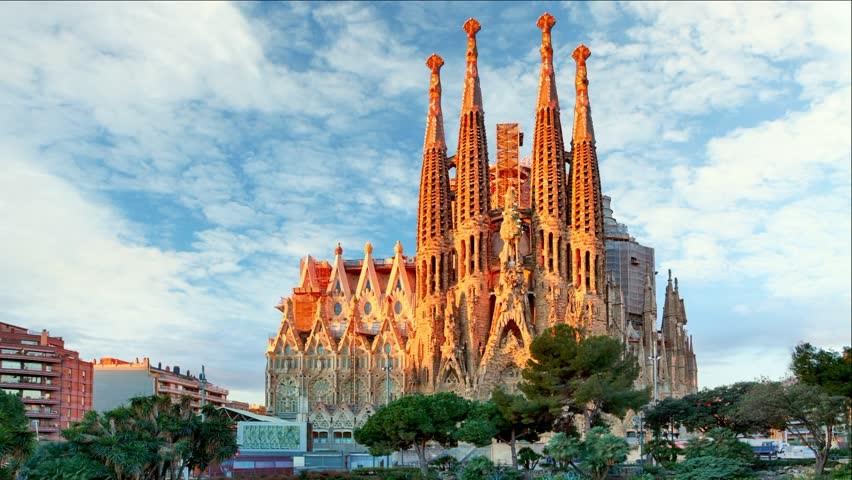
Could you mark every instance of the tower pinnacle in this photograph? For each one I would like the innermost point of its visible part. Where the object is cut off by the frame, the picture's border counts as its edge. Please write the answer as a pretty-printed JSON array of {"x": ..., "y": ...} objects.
[
  {"x": 583, "y": 129},
  {"x": 472, "y": 97},
  {"x": 434, "y": 117},
  {"x": 547, "y": 83}
]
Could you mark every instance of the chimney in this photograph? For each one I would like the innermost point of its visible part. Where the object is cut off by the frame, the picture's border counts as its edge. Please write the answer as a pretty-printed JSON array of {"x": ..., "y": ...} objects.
[
  {"x": 176, "y": 370},
  {"x": 43, "y": 340},
  {"x": 159, "y": 365}
]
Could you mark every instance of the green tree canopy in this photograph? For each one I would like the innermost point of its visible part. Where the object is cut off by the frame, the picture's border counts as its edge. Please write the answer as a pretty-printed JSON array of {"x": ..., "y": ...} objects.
[
  {"x": 16, "y": 440},
  {"x": 152, "y": 438},
  {"x": 587, "y": 375},
  {"x": 828, "y": 369},
  {"x": 592, "y": 457},
  {"x": 811, "y": 410},
  {"x": 507, "y": 418},
  {"x": 414, "y": 421}
]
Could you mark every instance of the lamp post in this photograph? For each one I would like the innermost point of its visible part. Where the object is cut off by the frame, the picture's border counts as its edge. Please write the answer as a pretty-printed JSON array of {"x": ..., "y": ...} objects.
[
  {"x": 387, "y": 368},
  {"x": 203, "y": 381},
  {"x": 655, "y": 359}
]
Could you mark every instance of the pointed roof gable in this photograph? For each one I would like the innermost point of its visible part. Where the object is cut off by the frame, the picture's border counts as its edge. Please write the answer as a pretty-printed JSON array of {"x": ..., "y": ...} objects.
[
  {"x": 286, "y": 331},
  {"x": 368, "y": 282},
  {"x": 388, "y": 329},
  {"x": 338, "y": 281},
  {"x": 398, "y": 276},
  {"x": 351, "y": 337},
  {"x": 308, "y": 276},
  {"x": 320, "y": 331}
]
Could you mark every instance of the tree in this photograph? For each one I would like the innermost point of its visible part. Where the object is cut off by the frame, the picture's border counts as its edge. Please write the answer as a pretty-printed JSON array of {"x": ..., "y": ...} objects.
[
  {"x": 477, "y": 468},
  {"x": 16, "y": 440},
  {"x": 63, "y": 461},
  {"x": 528, "y": 458},
  {"x": 414, "y": 421},
  {"x": 152, "y": 438},
  {"x": 720, "y": 408},
  {"x": 586, "y": 375},
  {"x": 597, "y": 453},
  {"x": 719, "y": 443},
  {"x": 667, "y": 413},
  {"x": 662, "y": 451},
  {"x": 507, "y": 418},
  {"x": 828, "y": 369},
  {"x": 813, "y": 412}
]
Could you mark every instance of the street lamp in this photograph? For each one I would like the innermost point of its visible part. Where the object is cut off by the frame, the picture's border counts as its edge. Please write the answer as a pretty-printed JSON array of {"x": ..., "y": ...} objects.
[
  {"x": 387, "y": 368},
  {"x": 655, "y": 359}
]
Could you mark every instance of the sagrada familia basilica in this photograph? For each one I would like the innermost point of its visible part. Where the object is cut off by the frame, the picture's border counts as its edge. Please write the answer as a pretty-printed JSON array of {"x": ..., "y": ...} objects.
[{"x": 503, "y": 252}]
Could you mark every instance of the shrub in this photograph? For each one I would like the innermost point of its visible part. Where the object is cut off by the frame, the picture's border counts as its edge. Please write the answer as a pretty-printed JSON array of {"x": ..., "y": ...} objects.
[
  {"x": 720, "y": 443},
  {"x": 445, "y": 463},
  {"x": 477, "y": 468},
  {"x": 712, "y": 468},
  {"x": 664, "y": 451}
]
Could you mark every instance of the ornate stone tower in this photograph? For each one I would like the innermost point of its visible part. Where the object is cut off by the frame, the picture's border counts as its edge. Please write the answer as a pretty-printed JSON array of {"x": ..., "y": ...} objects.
[
  {"x": 549, "y": 196},
  {"x": 434, "y": 244},
  {"x": 586, "y": 210},
  {"x": 471, "y": 225}
]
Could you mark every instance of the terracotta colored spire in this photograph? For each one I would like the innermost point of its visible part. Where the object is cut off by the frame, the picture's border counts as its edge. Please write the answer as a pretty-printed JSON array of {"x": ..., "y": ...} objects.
[
  {"x": 472, "y": 198},
  {"x": 435, "y": 117},
  {"x": 472, "y": 96},
  {"x": 548, "y": 164},
  {"x": 547, "y": 84},
  {"x": 583, "y": 129},
  {"x": 586, "y": 202},
  {"x": 433, "y": 213}
]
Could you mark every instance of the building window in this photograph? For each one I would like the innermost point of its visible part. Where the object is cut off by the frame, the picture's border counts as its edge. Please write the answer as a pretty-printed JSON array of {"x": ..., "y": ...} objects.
[
  {"x": 338, "y": 308},
  {"x": 368, "y": 307}
]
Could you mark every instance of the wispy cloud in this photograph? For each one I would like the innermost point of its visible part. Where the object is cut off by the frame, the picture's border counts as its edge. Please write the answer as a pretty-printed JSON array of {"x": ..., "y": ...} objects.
[{"x": 165, "y": 165}]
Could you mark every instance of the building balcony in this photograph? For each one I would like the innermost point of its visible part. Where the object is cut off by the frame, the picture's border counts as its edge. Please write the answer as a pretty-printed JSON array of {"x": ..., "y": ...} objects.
[
  {"x": 42, "y": 413},
  {"x": 31, "y": 386},
  {"x": 41, "y": 401},
  {"x": 25, "y": 371},
  {"x": 29, "y": 357}
]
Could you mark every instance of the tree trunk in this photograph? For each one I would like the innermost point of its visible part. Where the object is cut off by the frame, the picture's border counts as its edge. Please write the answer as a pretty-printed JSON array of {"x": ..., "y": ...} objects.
[
  {"x": 514, "y": 452},
  {"x": 822, "y": 453},
  {"x": 421, "y": 458}
]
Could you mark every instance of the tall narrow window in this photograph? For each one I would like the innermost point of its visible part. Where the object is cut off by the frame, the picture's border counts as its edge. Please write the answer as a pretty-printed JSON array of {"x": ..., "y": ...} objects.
[{"x": 588, "y": 271}]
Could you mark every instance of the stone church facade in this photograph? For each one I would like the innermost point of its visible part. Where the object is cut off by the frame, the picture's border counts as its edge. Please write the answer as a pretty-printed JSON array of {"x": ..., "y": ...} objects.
[{"x": 503, "y": 252}]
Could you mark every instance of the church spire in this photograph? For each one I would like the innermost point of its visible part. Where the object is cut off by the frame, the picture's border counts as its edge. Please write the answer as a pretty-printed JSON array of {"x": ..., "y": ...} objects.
[
  {"x": 583, "y": 129},
  {"x": 586, "y": 208},
  {"x": 547, "y": 83},
  {"x": 472, "y": 96},
  {"x": 549, "y": 196},
  {"x": 435, "y": 117},
  {"x": 433, "y": 214},
  {"x": 472, "y": 180}
]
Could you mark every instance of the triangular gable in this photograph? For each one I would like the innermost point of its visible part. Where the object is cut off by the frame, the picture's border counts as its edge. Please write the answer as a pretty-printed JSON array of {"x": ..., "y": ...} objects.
[
  {"x": 352, "y": 338},
  {"x": 320, "y": 332},
  {"x": 338, "y": 281},
  {"x": 286, "y": 331},
  {"x": 388, "y": 330},
  {"x": 308, "y": 275},
  {"x": 368, "y": 282},
  {"x": 398, "y": 279}
]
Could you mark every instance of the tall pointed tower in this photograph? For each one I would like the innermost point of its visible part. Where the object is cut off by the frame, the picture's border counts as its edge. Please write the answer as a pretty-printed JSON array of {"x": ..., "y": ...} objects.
[
  {"x": 434, "y": 243},
  {"x": 471, "y": 211},
  {"x": 549, "y": 196},
  {"x": 586, "y": 209}
]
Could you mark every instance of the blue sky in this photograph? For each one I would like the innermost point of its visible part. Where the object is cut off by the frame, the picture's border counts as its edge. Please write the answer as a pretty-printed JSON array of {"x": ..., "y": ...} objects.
[{"x": 164, "y": 166}]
